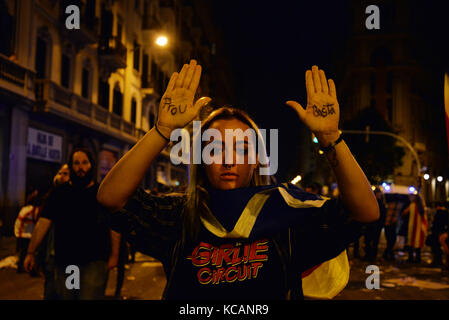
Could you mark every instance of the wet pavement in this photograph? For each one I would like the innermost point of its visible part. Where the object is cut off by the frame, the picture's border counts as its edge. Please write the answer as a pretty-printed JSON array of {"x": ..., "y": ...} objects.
[
  {"x": 398, "y": 281},
  {"x": 145, "y": 279}
]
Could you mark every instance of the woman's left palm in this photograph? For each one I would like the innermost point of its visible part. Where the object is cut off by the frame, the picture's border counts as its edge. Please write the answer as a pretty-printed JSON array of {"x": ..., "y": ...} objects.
[{"x": 322, "y": 113}]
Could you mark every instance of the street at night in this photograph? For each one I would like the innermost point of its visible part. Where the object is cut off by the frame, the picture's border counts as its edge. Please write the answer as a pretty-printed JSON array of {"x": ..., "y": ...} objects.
[
  {"x": 145, "y": 280},
  {"x": 209, "y": 150}
]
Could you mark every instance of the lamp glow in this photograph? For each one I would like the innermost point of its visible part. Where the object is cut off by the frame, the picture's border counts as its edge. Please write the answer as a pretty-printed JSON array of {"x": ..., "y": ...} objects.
[
  {"x": 161, "y": 41},
  {"x": 296, "y": 179},
  {"x": 411, "y": 189},
  {"x": 439, "y": 178},
  {"x": 426, "y": 176}
]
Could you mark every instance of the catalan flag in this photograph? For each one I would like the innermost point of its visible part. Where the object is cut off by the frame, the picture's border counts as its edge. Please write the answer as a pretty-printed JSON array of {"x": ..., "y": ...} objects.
[{"x": 417, "y": 227}]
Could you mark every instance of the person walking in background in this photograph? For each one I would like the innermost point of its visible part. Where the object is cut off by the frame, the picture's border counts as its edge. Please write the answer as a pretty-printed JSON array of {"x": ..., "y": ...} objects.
[
  {"x": 417, "y": 228},
  {"x": 444, "y": 242},
  {"x": 24, "y": 226},
  {"x": 440, "y": 225},
  {"x": 391, "y": 220},
  {"x": 62, "y": 176},
  {"x": 47, "y": 249},
  {"x": 82, "y": 234},
  {"x": 374, "y": 230}
]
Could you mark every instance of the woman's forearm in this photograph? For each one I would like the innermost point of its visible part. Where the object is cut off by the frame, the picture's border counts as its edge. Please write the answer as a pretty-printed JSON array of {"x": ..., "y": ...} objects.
[
  {"x": 353, "y": 186},
  {"x": 124, "y": 178}
]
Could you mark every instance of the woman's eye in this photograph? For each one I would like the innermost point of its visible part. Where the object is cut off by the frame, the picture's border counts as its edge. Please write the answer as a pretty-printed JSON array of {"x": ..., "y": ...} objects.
[
  {"x": 215, "y": 152},
  {"x": 242, "y": 151}
]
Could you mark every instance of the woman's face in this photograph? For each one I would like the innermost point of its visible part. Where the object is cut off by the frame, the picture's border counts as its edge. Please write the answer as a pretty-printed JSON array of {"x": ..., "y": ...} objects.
[{"x": 230, "y": 176}]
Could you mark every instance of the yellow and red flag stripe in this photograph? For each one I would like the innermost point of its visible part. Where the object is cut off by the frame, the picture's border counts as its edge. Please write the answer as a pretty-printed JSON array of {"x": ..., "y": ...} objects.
[{"x": 417, "y": 227}]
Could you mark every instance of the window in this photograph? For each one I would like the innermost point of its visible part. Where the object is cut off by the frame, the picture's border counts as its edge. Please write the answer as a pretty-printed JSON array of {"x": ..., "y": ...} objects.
[
  {"x": 389, "y": 82},
  {"x": 85, "y": 83},
  {"x": 90, "y": 13},
  {"x": 145, "y": 80},
  {"x": 390, "y": 110},
  {"x": 86, "y": 79},
  {"x": 117, "y": 101},
  {"x": 65, "y": 70},
  {"x": 107, "y": 19},
  {"x": 119, "y": 31},
  {"x": 136, "y": 58},
  {"x": 41, "y": 58},
  {"x": 133, "y": 110},
  {"x": 7, "y": 35},
  {"x": 103, "y": 93}
]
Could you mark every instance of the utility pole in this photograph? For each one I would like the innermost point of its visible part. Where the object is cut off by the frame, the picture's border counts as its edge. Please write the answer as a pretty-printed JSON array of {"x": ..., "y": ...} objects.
[{"x": 367, "y": 132}]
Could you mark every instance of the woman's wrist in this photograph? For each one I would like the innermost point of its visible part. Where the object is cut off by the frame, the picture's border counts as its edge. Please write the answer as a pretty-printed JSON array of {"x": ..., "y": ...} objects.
[
  {"x": 164, "y": 131},
  {"x": 325, "y": 139}
]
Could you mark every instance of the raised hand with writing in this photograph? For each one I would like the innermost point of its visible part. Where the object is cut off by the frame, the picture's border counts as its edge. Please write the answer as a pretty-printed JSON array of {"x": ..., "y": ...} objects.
[
  {"x": 176, "y": 109},
  {"x": 322, "y": 113}
]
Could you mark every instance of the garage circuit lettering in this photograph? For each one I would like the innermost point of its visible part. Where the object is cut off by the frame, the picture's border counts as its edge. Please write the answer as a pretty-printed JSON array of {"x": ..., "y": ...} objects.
[{"x": 228, "y": 262}]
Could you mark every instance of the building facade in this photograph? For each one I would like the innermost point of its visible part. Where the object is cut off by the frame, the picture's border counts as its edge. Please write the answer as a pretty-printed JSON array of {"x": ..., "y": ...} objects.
[
  {"x": 98, "y": 86},
  {"x": 390, "y": 70}
]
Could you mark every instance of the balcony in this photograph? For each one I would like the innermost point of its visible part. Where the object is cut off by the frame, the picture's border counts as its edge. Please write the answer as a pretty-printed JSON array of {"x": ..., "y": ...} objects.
[
  {"x": 112, "y": 54},
  {"x": 62, "y": 102},
  {"x": 89, "y": 24},
  {"x": 15, "y": 78}
]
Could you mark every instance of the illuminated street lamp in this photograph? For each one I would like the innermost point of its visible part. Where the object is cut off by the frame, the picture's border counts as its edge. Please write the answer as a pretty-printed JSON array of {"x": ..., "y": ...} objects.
[
  {"x": 296, "y": 180},
  {"x": 161, "y": 41},
  {"x": 440, "y": 179},
  {"x": 426, "y": 176}
]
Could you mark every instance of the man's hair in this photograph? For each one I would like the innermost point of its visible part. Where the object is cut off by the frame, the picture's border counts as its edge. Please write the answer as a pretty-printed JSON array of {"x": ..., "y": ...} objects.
[{"x": 87, "y": 152}]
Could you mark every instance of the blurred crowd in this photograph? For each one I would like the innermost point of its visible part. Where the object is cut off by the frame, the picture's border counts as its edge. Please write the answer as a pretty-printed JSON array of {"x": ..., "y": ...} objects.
[{"x": 406, "y": 224}]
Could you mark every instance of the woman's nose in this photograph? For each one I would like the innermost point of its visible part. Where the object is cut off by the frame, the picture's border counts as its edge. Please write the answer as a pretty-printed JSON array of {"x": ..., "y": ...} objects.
[
  {"x": 230, "y": 154},
  {"x": 228, "y": 166}
]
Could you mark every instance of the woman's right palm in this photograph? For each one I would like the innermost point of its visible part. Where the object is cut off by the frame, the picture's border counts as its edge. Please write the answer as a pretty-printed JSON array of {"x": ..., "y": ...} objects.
[{"x": 176, "y": 109}]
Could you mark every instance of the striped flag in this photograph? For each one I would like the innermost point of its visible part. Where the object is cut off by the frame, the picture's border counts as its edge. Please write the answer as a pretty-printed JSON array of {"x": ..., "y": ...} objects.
[
  {"x": 417, "y": 227},
  {"x": 327, "y": 279}
]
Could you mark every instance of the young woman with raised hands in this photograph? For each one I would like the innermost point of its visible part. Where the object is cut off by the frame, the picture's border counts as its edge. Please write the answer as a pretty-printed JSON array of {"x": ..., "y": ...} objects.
[{"x": 235, "y": 234}]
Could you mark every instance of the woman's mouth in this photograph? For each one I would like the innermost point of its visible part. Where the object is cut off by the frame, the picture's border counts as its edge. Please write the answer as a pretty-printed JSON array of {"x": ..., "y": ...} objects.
[{"x": 228, "y": 176}]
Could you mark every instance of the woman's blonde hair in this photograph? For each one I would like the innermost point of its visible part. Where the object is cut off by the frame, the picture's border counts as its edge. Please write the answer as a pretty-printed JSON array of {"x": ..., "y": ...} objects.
[{"x": 197, "y": 195}]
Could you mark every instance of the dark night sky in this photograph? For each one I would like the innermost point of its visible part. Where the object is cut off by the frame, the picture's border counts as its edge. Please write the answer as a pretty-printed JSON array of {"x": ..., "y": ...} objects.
[{"x": 271, "y": 44}]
